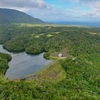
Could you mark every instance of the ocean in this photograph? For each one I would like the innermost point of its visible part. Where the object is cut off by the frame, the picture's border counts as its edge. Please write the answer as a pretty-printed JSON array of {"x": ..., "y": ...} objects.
[{"x": 75, "y": 23}]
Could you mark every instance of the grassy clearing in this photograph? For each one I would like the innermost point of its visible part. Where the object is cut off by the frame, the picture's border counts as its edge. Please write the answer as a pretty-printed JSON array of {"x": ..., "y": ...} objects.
[
  {"x": 39, "y": 25},
  {"x": 36, "y": 36},
  {"x": 52, "y": 25},
  {"x": 54, "y": 73},
  {"x": 57, "y": 32},
  {"x": 34, "y": 75},
  {"x": 49, "y": 35},
  {"x": 54, "y": 57}
]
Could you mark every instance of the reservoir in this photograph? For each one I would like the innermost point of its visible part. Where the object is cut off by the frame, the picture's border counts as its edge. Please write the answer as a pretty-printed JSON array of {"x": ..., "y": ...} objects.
[{"x": 23, "y": 64}]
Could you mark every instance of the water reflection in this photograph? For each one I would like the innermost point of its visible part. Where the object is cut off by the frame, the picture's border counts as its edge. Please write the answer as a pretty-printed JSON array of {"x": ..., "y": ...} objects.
[{"x": 23, "y": 64}]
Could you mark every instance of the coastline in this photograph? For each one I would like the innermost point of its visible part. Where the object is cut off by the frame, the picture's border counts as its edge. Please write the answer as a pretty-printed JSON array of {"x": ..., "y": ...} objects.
[{"x": 78, "y": 23}]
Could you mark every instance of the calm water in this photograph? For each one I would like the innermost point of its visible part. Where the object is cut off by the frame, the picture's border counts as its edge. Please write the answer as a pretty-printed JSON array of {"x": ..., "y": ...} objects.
[
  {"x": 23, "y": 64},
  {"x": 94, "y": 24}
]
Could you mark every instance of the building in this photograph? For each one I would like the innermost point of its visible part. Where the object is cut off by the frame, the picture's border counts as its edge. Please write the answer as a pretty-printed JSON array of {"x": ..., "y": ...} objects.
[{"x": 60, "y": 55}]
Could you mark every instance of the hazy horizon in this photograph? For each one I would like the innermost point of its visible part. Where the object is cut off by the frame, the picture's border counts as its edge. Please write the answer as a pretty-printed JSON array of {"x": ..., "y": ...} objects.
[{"x": 57, "y": 10}]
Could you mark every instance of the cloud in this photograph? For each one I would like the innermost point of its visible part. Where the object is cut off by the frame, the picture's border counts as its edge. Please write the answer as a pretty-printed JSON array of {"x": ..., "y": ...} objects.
[
  {"x": 93, "y": 4},
  {"x": 44, "y": 11},
  {"x": 53, "y": 14},
  {"x": 33, "y": 8},
  {"x": 90, "y": 3},
  {"x": 23, "y": 3},
  {"x": 84, "y": 1},
  {"x": 93, "y": 14}
]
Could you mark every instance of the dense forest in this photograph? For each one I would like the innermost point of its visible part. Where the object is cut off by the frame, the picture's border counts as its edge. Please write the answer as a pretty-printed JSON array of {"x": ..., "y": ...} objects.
[
  {"x": 67, "y": 79},
  {"x": 36, "y": 39}
]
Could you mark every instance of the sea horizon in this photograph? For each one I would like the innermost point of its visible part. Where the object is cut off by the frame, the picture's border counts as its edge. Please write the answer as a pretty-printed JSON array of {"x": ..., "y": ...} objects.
[{"x": 77, "y": 23}]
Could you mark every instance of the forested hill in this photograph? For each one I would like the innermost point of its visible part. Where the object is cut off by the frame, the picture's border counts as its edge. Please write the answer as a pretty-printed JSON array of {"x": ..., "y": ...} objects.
[
  {"x": 14, "y": 16},
  {"x": 75, "y": 76}
]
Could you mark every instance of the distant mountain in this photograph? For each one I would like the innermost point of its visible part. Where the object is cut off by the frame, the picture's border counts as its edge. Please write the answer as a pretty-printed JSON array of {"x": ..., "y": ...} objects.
[{"x": 15, "y": 16}]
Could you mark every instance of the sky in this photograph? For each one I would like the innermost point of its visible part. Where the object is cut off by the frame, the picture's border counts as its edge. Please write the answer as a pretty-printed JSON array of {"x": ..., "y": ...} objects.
[{"x": 57, "y": 10}]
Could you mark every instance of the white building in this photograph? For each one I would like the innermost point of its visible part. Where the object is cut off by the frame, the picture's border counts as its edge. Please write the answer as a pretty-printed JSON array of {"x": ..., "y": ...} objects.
[{"x": 60, "y": 55}]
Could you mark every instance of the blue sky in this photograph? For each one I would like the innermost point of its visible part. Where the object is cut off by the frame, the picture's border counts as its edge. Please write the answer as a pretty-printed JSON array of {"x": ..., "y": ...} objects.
[{"x": 57, "y": 10}]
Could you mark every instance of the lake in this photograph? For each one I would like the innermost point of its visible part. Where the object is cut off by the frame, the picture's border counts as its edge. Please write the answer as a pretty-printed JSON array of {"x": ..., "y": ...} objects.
[{"x": 23, "y": 64}]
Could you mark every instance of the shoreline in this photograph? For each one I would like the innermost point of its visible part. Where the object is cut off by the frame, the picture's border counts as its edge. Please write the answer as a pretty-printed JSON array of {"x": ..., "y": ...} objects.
[
  {"x": 7, "y": 52},
  {"x": 34, "y": 75}
]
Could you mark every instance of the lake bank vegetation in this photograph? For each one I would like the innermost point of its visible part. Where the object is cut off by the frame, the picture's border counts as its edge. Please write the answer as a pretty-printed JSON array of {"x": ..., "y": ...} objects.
[{"x": 76, "y": 77}]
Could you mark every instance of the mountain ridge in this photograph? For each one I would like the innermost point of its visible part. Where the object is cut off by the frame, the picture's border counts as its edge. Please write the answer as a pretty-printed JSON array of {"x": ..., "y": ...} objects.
[{"x": 15, "y": 16}]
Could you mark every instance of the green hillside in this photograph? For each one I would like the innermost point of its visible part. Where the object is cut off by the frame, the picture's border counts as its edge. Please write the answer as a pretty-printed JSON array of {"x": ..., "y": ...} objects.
[
  {"x": 75, "y": 76},
  {"x": 14, "y": 16}
]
